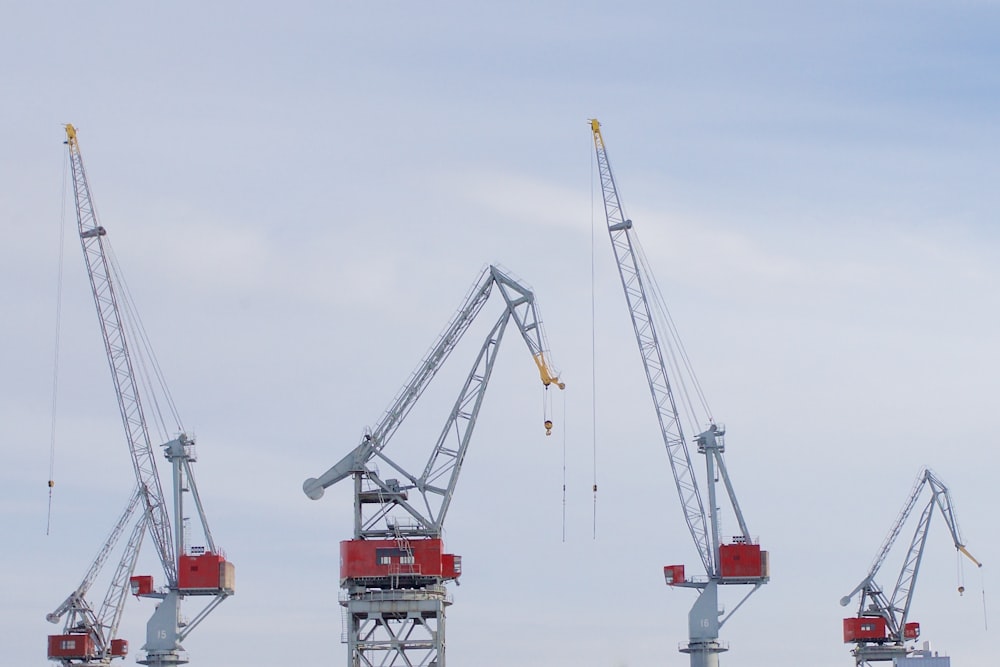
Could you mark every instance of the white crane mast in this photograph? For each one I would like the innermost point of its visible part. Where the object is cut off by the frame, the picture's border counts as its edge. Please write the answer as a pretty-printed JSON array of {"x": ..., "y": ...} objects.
[{"x": 742, "y": 561}]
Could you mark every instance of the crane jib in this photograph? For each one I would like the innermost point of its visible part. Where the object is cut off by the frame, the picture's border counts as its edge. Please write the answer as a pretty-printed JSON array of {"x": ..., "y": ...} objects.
[
  {"x": 445, "y": 460},
  {"x": 106, "y": 300}
]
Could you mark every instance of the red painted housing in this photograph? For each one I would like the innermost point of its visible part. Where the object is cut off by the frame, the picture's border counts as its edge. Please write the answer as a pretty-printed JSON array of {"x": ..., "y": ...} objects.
[
  {"x": 119, "y": 648},
  {"x": 72, "y": 646},
  {"x": 865, "y": 629},
  {"x": 674, "y": 574},
  {"x": 141, "y": 584},
  {"x": 742, "y": 561},
  {"x": 911, "y": 631},
  {"x": 205, "y": 574},
  {"x": 385, "y": 559}
]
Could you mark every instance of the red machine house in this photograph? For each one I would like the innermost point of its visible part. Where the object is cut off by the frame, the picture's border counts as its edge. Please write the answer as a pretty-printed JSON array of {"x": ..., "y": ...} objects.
[
  {"x": 205, "y": 574},
  {"x": 743, "y": 561},
  {"x": 378, "y": 562},
  {"x": 874, "y": 629},
  {"x": 79, "y": 647}
]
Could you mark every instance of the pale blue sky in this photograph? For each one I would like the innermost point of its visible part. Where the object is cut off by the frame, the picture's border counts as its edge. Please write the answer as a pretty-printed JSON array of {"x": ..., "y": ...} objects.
[{"x": 300, "y": 195}]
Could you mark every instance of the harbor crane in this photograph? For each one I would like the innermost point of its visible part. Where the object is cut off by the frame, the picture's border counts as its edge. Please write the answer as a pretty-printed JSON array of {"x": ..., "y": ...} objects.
[
  {"x": 882, "y": 628},
  {"x": 740, "y": 561},
  {"x": 188, "y": 570},
  {"x": 394, "y": 570},
  {"x": 90, "y": 637}
]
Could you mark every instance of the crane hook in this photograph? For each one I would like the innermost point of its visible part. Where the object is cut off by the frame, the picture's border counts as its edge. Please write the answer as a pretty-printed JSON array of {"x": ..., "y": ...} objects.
[{"x": 548, "y": 427}]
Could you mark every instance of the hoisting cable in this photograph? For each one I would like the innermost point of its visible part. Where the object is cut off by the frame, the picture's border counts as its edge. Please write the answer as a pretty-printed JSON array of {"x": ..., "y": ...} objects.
[
  {"x": 55, "y": 360},
  {"x": 546, "y": 410},
  {"x": 959, "y": 572},
  {"x": 961, "y": 579},
  {"x": 593, "y": 334},
  {"x": 982, "y": 586},
  {"x": 564, "y": 470}
]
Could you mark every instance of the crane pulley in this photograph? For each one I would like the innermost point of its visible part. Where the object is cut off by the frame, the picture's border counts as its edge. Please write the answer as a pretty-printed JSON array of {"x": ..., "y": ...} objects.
[
  {"x": 882, "y": 626},
  {"x": 395, "y": 568},
  {"x": 741, "y": 561}
]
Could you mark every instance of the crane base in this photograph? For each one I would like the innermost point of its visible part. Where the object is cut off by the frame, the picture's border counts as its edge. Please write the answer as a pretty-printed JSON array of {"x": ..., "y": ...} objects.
[
  {"x": 704, "y": 654},
  {"x": 164, "y": 659}
]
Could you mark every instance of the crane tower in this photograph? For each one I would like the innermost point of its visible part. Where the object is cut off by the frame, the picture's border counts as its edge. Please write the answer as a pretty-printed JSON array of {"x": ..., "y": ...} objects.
[
  {"x": 741, "y": 560},
  {"x": 395, "y": 568}
]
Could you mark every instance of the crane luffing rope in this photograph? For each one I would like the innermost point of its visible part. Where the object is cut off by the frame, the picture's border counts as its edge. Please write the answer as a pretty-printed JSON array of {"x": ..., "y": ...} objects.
[
  {"x": 682, "y": 371},
  {"x": 153, "y": 381}
]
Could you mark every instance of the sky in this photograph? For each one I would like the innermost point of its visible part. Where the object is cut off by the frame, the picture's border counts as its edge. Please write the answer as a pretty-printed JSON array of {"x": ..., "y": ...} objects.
[{"x": 301, "y": 195}]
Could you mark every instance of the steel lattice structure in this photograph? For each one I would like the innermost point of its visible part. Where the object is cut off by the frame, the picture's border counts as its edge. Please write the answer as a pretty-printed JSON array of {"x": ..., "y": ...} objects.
[{"x": 123, "y": 375}]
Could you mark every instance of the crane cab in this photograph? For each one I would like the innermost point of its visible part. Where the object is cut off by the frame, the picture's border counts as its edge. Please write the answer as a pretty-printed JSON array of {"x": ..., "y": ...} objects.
[{"x": 82, "y": 647}]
